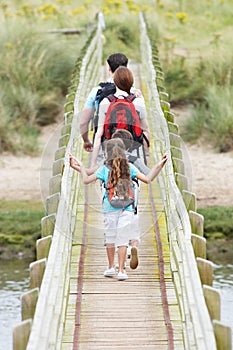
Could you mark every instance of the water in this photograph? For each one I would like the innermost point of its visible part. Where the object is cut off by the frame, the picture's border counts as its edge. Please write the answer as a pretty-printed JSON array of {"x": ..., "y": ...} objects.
[
  {"x": 223, "y": 281},
  {"x": 15, "y": 280}
]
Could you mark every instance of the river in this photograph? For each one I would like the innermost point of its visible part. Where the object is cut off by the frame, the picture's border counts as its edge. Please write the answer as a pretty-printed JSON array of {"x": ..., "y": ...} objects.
[{"x": 15, "y": 280}]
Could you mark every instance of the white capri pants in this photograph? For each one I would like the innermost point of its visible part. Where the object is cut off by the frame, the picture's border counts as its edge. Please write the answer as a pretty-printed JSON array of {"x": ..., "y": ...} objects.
[{"x": 118, "y": 227}]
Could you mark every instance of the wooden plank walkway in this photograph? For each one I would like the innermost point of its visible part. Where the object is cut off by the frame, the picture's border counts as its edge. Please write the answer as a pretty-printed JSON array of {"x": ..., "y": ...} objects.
[{"x": 104, "y": 313}]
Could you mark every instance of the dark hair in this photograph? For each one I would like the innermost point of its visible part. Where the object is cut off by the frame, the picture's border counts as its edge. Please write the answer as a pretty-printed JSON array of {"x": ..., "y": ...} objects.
[
  {"x": 117, "y": 161},
  {"x": 125, "y": 136},
  {"x": 117, "y": 59},
  {"x": 123, "y": 79}
]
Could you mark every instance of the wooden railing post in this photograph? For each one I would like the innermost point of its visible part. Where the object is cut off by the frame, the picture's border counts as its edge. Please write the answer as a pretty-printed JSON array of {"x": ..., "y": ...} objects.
[
  {"x": 21, "y": 335},
  {"x": 223, "y": 336}
]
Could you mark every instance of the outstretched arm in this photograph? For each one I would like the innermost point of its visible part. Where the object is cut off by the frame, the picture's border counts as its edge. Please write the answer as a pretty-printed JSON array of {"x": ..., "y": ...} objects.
[
  {"x": 74, "y": 163},
  {"x": 153, "y": 172},
  {"x": 78, "y": 165}
]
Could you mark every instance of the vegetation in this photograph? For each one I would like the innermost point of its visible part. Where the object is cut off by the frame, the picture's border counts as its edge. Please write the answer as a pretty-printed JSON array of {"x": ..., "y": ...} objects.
[
  {"x": 195, "y": 46},
  {"x": 19, "y": 228},
  {"x": 218, "y": 229},
  {"x": 218, "y": 222},
  {"x": 195, "y": 49},
  {"x": 197, "y": 53}
]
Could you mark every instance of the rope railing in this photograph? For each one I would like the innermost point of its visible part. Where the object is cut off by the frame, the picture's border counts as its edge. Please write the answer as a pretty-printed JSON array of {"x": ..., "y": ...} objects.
[
  {"x": 192, "y": 273},
  {"x": 44, "y": 305}
]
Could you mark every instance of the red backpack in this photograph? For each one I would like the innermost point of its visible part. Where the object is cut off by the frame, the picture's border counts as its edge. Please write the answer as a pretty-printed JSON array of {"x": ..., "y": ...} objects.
[
  {"x": 121, "y": 114},
  {"x": 122, "y": 195}
]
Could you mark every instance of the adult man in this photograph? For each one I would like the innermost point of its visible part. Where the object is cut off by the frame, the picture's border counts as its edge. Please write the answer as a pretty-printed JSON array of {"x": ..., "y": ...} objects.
[{"x": 114, "y": 61}]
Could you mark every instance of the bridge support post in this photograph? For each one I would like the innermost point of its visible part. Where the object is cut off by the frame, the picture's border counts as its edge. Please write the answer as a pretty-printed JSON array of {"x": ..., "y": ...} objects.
[
  {"x": 42, "y": 247},
  {"x": 197, "y": 223},
  {"x": 189, "y": 200},
  {"x": 222, "y": 335},
  {"x": 199, "y": 246},
  {"x": 47, "y": 225},
  {"x": 37, "y": 269},
  {"x": 21, "y": 335},
  {"x": 28, "y": 303},
  {"x": 205, "y": 268}
]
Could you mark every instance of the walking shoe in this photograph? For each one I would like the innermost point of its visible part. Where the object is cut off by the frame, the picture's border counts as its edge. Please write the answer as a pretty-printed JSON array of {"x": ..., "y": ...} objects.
[
  {"x": 134, "y": 258},
  {"x": 122, "y": 276},
  {"x": 109, "y": 272}
]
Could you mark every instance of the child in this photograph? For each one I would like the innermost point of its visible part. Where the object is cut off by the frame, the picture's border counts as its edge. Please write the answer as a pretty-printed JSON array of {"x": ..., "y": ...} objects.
[
  {"x": 117, "y": 221},
  {"x": 127, "y": 138}
]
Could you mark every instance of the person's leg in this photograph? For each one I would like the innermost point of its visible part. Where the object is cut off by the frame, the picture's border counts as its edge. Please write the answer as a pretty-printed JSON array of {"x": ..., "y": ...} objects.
[
  {"x": 110, "y": 249},
  {"x": 121, "y": 257},
  {"x": 124, "y": 226},
  {"x": 134, "y": 243},
  {"x": 110, "y": 239}
]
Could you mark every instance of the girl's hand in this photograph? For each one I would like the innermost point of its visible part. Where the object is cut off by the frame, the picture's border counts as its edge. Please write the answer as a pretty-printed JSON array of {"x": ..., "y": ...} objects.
[
  {"x": 164, "y": 159},
  {"x": 74, "y": 162}
]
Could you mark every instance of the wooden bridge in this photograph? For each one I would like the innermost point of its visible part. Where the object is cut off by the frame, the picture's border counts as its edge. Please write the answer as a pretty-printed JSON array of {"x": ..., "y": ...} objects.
[{"x": 168, "y": 302}]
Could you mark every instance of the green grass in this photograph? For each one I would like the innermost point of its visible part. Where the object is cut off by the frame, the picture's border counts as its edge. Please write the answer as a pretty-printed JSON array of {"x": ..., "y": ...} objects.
[
  {"x": 19, "y": 227},
  {"x": 195, "y": 49},
  {"x": 212, "y": 120},
  {"x": 35, "y": 70},
  {"x": 196, "y": 53},
  {"x": 218, "y": 222}
]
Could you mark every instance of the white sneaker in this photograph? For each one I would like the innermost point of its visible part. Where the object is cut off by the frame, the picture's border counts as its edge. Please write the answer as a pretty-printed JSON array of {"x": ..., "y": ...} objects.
[
  {"x": 122, "y": 276},
  {"x": 109, "y": 272}
]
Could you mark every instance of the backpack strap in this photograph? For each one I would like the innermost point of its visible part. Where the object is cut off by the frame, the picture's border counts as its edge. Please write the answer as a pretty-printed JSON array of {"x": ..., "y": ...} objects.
[
  {"x": 128, "y": 98},
  {"x": 111, "y": 98},
  {"x": 131, "y": 97},
  {"x": 146, "y": 139}
]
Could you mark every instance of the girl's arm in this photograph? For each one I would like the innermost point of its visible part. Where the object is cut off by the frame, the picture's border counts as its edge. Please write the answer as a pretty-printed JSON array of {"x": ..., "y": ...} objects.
[
  {"x": 153, "y": 172},
  {"x": 74, "y": 163},
  {"x": 78, "y": 165}
]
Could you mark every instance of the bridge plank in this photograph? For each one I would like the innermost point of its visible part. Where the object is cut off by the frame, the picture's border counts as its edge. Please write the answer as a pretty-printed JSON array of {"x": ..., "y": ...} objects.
[{"x": 114, "y": 312}]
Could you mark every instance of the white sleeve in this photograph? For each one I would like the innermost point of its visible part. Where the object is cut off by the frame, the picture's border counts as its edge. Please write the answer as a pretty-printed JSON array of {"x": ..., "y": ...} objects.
[
  {"x": 140, "y": 106},
  {"x": 103, "y": 107}
]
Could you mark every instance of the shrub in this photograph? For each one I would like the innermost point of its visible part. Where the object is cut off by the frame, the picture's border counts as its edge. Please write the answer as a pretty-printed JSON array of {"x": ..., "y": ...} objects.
[
  {"x": 35, "y": 70},
  {"x": 217, "y": 221},
  {"x": 213, "y": 119}
]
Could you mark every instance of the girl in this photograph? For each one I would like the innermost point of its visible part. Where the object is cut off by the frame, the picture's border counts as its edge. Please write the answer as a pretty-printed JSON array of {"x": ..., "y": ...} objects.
[{"x": 117, "y": 221}]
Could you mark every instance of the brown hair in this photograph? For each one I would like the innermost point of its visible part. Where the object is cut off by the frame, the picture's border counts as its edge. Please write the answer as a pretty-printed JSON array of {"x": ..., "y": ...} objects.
[
  {"x": 125, "y": 136},
  {"x": 123, "y": 78},
  {"x": 117, "y": 161}
]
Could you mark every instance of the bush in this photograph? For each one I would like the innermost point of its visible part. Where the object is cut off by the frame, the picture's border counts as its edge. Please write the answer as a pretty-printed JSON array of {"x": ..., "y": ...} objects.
[
  {"x": 35, "y": 69},
  {"x": 213, "y": 119},
  {"x": 121, "y": 37},
  {"x": 19, "y": 228},
  {"x": 217, "y": 221}
]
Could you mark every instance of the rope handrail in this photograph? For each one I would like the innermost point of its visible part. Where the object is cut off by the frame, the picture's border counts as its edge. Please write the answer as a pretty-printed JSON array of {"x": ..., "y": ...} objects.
[
  {"x": 50, "y": 308},
  {"x": 198, "y": 329}
]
